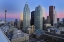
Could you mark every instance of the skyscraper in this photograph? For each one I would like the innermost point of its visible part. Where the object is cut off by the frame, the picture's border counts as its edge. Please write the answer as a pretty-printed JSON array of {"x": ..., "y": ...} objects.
[
  {"x": 63, "y": 20},
  {"x": 38, "y": 17},
  {"x": 51, "y": 12},
  {"x": 32, "y": 17},
  {"x": 58, "y": 20},
  {"x": 54, "y": 18},
  {"x": 16, "y": 23},
  {"x": 48, "y": 19},
  {"x": 21, "y": 16},
  {"x": 26, "y": 17},
  {"x": 43, "y": 22}
]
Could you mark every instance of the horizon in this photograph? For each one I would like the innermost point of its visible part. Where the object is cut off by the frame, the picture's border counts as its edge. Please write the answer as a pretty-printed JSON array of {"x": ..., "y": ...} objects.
[{"x": 15, "y": 7}]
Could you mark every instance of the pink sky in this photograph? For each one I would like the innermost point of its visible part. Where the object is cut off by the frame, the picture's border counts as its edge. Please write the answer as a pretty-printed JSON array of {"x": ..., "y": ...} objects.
[
  {"x": 59, "y": 15},
  {"x": 17, "y": 15},
  {"x": 10, "y": 15}
]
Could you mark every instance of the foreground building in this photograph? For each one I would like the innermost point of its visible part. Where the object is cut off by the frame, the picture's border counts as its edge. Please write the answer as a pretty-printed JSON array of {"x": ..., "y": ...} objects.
[
  {"x": 3, "y": 37},
  {"x": 38, "y": 20},
  {"x": 19, "y": 36},
  {"x": 51, "y": 12},
  {"x": 26, "y": 17}
]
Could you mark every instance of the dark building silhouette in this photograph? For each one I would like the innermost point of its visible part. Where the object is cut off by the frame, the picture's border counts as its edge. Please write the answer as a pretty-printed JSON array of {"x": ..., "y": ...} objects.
[
  {"x": 58, "y": 20},
  {"x": 32, "y": 17},
  {"x": 48, "y": 19},
  {"x": 16, "y": 23},
  {"x": 63, "y": 20},
  {"x": 58, "y": 23},
  {"x": 21, "y": 24},
  {"x": 51, "y": 12},
  {"x": 44, "y": 23}
]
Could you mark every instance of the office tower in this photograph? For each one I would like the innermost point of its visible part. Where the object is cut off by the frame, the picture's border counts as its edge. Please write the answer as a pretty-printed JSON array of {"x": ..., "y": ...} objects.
[
  {"x": 32, "y": 17},
  {"x": 58, "y": 20},
  {"x": 21, "y": 16},
  {"x": 16, "y": 23},
  {"x": 43, "y": 22},
  {"x": 43, "y": 12},
  {"x": 19, "y": 24},
  {"x": 54, "y": 18},
  {"x": 21, "y": 20},
  {"x": 48, "y": 19},
  {"x": 5, "y": 16},
  {"x": 63, "y": 20},
  {"x": 26, "y": 17},
  {"x": 38, "y": 17},
  {"x": 51, "y": 12}
]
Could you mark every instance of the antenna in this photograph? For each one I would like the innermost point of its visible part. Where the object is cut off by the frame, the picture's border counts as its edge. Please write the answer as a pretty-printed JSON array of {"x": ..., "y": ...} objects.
[
  {"x": 26, "y": 1},
  {"x": 5, "y": 15}
]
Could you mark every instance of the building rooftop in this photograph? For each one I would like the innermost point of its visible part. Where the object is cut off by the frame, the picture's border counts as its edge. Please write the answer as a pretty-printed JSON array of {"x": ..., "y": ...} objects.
[
  {"x": 3, "y": 37},
  {"x": 18, "y": 34}
]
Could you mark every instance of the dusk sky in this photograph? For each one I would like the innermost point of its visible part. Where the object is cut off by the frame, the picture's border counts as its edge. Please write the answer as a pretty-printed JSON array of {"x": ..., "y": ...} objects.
[{"x": 15, "y": 7}]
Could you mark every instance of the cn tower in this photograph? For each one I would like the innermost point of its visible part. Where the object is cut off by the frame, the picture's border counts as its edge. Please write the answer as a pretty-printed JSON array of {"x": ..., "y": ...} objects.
[{"x": 5, "y": 16}]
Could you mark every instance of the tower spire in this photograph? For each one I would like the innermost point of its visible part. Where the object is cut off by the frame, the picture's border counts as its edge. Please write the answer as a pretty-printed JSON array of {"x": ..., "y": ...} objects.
[{"x": 26, "y": 1}]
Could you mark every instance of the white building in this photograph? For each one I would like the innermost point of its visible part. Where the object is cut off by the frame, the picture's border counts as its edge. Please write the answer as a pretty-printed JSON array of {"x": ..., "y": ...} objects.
[
  {"x": 54, "y": 18},
  {"x": 19, "y": 36}
]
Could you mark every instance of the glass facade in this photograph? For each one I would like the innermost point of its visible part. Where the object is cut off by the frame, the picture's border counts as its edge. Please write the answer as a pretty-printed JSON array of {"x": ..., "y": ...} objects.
[
  {"x": 38, "y": 20},
  {"x": 26, "y": 17}
]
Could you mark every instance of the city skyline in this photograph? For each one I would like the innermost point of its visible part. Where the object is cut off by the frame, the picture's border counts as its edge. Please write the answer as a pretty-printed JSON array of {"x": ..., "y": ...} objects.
[{"x": 15, "y": 7}]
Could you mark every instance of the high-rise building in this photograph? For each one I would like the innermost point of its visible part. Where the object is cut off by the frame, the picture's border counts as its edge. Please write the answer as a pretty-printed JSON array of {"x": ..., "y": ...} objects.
[
  {"x": 38, "y": 17},
  {"x": 63, "y": 20},
  {"x": 54, "y": 18},
  {"x": 16, "y": 23},
  {"x": 43, "y": 12},
  {"x": 48, "y": 19},
  {"x": 58, "y": 20},
  {"x": 43, "y": 22},
  {"x": 21, "y": 20},
  {"x": 21, "y": 16},
  {"x": 51, "y": 12},
  {"x": 21, "y": 24},
  {"x": 26, "y": 17},
  {"x": 32, "y": 17}
]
